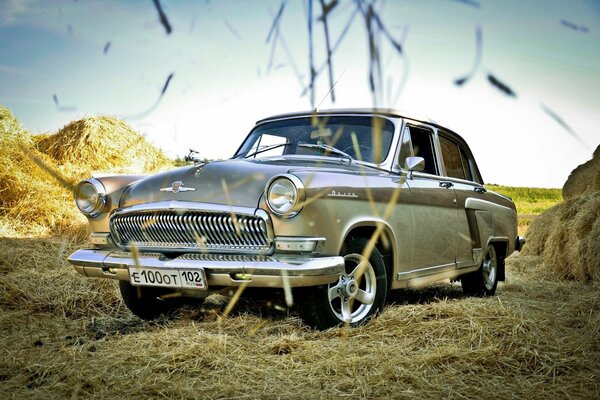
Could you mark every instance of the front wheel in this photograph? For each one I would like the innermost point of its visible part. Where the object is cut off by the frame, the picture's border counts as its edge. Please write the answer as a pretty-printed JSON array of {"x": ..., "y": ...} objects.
[
  {"x": 147, "y": 302},
  {"x": 357, "y": 296},
  {"x": 484, "y": 281}
]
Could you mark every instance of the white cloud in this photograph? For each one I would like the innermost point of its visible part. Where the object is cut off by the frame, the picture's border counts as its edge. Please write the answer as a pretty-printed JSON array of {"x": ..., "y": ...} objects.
[{"x": 11, "y": 10}]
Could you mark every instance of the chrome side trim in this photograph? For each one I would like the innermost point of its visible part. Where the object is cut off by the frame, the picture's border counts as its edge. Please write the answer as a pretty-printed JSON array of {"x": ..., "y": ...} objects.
[
  {"x": 417, "y": 273},
  {"x": 478, "y": 204},
  {"x": 263, "y": 271}
]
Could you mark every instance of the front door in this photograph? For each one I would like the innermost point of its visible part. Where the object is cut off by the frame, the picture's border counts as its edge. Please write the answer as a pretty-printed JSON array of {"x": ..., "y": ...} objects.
[{"x": 434, "y": 207}]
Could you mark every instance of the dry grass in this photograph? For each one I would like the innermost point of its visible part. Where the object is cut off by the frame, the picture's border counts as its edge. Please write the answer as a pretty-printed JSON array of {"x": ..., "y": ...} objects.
[
  {"x": 36, "y": 186},
  {"x": 585, "y": 179},
  {"x": 65, "y": 336},
  {"x": 23, "y": 185},
  {"x": 100, "y": 144},
  {"x": 567, "y": 236}
]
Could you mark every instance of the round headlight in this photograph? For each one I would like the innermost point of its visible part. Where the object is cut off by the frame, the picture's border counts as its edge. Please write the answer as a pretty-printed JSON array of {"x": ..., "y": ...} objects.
[
  {"x": 285, "y": 195},
  {"x": 90, "y": 197}
]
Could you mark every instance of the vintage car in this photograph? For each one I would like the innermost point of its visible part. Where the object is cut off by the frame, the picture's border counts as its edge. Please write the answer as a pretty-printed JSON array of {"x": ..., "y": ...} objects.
[{"x": 336, "y": 208}]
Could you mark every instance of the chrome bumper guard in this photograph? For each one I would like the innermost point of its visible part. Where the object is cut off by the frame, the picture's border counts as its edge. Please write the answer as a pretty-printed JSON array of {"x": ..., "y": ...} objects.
[{"x": 221, "y": 270}]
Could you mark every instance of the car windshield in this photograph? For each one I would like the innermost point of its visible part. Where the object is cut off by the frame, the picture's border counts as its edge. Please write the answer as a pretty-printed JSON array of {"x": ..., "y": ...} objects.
[{"x": 363, "y": 138}]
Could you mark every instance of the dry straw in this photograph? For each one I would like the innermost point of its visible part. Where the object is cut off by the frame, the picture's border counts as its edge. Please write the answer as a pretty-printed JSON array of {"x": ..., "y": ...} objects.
[
  {"x": 103, "y": 143},
  {"x": 568, "y": 234},
  {"x": 30, "y": 199},
  {"x": 37, "y": 173},
  {"x": 585, "y": 179}
]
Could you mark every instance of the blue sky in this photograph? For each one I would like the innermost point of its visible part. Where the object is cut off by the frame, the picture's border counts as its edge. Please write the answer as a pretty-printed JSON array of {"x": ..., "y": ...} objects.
[{"x": 226, "y": 75}]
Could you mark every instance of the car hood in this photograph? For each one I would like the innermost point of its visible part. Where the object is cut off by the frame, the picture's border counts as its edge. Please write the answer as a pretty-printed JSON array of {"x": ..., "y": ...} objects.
[{"x": 231, "y": 182}]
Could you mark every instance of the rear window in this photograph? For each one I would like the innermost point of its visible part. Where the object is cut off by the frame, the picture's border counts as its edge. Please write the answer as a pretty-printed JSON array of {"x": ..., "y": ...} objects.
[{"x": 455, "y": 160}]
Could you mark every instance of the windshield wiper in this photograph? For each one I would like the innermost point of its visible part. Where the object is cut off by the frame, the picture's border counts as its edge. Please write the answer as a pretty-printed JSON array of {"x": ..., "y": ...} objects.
[
  {"x": 328, "y": 148},
  {"x": 262, "y": 149}
]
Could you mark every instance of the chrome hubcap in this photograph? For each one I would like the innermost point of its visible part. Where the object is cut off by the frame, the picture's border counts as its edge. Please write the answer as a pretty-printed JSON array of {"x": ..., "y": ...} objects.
[
  {"x": 490, "y": 269},
  {"x": 352, "y": 297}
]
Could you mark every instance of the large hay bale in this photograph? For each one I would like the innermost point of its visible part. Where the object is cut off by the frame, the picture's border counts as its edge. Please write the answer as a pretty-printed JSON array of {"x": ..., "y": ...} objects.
[
  {"x": 567, "y": 235},
  {"x": 572, "y": 247},
  {"x": 31, "y": 199},
  {"x": 102, "y": 143},
  {"x": 539, "y": 230},
  {"x": 36, "y": 186},
  {"x": 584, "y": 179},
  {"x": 10, "y": 127}
]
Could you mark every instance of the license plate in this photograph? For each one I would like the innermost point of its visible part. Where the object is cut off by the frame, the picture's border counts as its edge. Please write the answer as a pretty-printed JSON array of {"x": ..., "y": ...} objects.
[{"x": 168, "y": 277}]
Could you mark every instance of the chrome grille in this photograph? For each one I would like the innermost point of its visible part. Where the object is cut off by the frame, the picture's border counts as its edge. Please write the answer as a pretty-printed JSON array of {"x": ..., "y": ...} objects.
[{"x": 190, "y": 230}]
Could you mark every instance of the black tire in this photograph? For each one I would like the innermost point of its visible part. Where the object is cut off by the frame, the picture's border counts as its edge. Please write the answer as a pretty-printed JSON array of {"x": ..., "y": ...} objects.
[
  {"x": 484, "y": 281},
  {"x": 146, "y": 302},
  {"x": 359, "y": 303}
]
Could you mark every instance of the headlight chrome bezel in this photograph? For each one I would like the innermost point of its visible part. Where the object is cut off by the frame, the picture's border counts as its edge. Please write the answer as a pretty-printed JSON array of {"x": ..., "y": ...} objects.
[
  {"x": 299, "y": 195},
  {"x": 99, "y": 203}
]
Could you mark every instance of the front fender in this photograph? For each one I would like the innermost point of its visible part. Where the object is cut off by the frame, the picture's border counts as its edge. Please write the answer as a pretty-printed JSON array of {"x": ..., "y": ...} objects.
[{"x": 114, "y": 186}]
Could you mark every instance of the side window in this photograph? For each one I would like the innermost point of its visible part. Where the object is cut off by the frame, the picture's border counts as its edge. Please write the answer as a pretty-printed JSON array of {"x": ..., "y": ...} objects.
[
  {"x": 455, "y": 160},
  {"x": 465, "y": 163},
  {"x": 421, "y": 145}
]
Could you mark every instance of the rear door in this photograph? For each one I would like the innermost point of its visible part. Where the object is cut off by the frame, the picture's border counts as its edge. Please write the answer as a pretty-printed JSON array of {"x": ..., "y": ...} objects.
[{"x": 461, "y": 173}]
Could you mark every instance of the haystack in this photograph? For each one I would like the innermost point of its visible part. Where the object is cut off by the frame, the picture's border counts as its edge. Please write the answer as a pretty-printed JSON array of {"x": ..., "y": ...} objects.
[
  {"x": 103, "y": 143},
  {"x": 31, "y": 198},
  {"x": 567, "y": 236},
  {"x": 37, "y": 174},
  {"x": 584, "y": 179}
]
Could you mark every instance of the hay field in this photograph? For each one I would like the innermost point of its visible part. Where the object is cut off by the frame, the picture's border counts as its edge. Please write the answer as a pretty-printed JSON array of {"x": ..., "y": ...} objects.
[{"x": 65, "y": 336}]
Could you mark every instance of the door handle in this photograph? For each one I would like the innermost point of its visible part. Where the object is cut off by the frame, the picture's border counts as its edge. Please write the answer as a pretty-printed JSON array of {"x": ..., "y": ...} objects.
[{"x": 446, "y": 184}]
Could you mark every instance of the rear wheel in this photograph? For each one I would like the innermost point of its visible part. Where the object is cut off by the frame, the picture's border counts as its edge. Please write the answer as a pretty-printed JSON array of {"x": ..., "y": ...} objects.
[
  {"x": 484, "y": 281},
  {"x": 357, "y": 296},
  {"x": 148, "y": 302}
]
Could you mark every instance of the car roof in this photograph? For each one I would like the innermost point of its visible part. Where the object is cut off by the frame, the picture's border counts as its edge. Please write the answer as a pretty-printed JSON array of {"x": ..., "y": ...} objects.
[{"x": 388, "y": 112}]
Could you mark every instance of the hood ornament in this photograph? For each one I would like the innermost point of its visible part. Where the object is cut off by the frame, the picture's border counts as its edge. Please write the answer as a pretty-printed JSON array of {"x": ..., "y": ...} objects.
[{"x": 177, "y": 187}]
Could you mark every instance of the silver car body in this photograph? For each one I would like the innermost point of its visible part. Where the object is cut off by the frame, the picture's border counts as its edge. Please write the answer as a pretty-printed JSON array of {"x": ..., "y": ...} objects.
[{"x": 436, "y": 228}]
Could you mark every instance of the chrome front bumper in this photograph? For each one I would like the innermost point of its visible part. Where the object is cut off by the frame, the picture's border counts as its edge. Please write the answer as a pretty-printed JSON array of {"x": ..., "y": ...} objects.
[{"x": 221, "y": 270}]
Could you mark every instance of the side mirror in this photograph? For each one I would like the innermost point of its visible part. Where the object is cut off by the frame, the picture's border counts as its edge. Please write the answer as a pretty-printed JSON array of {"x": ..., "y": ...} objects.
[{"x": 414, "y": 164}]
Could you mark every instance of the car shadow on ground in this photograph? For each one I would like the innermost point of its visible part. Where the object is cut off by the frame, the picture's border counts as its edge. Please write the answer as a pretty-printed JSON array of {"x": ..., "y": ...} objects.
[
  {"x": 427, "y": 294},
  {"x": 271, "y": 304}
]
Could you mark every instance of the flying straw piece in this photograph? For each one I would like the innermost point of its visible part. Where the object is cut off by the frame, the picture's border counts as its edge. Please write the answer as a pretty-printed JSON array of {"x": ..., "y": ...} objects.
[
  {"x": 156, "y": 103},
  {"x": 573, "y": 26},
  {"x": 162, "y": 17},
  {"x": 563, "y": 124},
  {"x": 471, "y": 3},
  {"x": 476, "y": 61},
  {"x": 62, "y": 108},
  {"x": 501, "y": 86}
]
